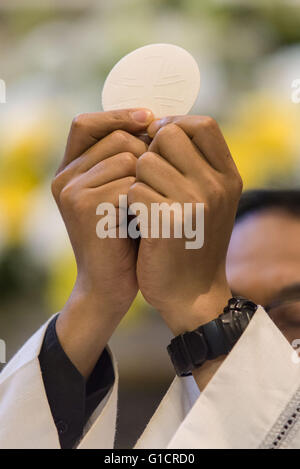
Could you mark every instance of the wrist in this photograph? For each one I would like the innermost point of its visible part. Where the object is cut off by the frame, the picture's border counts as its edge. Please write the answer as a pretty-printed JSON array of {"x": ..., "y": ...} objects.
[
  {"x": 100, "y": 297},
  {"x": 202, "y": 350},
  {"x": 86, "y": 324},
  {"x": 186, "y": 316}
]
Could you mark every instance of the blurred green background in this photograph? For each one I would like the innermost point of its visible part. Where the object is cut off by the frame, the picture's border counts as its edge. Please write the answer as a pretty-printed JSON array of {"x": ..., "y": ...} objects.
[{"x": 54, "y": 57}]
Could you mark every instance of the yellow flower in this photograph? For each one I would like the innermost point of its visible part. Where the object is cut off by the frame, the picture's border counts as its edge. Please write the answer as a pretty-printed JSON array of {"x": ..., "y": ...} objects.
[
  {"x": 13, "y": 207},
  {"x": 262, "y": 139},
  {"x": 62, "y": 276},
  {"x": 23, "y": 167}
]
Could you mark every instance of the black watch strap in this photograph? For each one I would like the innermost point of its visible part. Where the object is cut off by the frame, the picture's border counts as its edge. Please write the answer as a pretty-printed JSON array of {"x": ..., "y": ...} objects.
[{"x": 191, "y": 349}]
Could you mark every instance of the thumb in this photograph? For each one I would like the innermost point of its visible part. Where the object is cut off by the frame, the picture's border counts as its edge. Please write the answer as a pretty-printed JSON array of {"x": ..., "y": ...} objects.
[{"x": 89, "y": 128}]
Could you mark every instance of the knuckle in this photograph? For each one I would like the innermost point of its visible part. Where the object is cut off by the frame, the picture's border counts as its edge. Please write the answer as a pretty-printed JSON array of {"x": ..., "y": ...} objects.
[
  {"x": 142, "y": 165},
  {"x": 168, "y": 131},
  {"x": 237, "y": 183},
  {"x": 55, "y": 189},
  {"x": 145, "y": 159},
  {"x": 73, "y": 200},
  {"x": 215, "y": 191},
  {"x": 79, "y": 122},
  {"x": 130, "y": 181},
  {"x": 128, "y": 160},
  {"x": 208, "y": 122},
  {"x": 57, "y": 184},
  {"x": 67, "y": 195},
  {"x": 134, "y": 191},
  {"x": 120, "y": 136}
]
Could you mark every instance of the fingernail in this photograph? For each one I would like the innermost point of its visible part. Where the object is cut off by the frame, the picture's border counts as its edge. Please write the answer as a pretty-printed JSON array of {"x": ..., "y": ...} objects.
[{"x": 142, "y": 116}]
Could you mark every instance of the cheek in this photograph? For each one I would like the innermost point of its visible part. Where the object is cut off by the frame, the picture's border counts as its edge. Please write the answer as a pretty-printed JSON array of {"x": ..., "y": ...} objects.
[{"x": 245, "y": 281}]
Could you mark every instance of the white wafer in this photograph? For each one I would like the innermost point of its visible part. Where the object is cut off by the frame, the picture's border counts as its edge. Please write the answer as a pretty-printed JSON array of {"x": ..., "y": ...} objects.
[{"x": 161, "y": 77}]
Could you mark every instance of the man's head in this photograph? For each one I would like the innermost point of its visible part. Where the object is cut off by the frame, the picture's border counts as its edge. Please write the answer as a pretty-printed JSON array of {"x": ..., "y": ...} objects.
[{"x": 263, "y": 262}]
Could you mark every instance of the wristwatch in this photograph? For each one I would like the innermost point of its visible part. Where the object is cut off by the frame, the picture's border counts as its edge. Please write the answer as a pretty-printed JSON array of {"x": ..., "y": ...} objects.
[{"x": 191, "y": 349}]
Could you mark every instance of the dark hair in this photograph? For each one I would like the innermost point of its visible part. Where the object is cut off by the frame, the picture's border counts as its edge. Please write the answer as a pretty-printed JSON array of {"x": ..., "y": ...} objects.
[{"x": 262, "y": 199}]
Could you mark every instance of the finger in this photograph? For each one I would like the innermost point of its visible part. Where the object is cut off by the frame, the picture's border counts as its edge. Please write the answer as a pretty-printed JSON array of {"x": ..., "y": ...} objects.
[
  {"x": 117, "y": 142},
  {"x": 88, "y": 129},
  {"x": 111, "y": 191},
  {"x": 150, "y": 221},
  {"x": 172, "y": 143},
  {"x": 158, "y": 174},
  {"x": 113, "y": 168},
  {"x": 141, "y": 192},
  {"x": 205, "y": 134}
]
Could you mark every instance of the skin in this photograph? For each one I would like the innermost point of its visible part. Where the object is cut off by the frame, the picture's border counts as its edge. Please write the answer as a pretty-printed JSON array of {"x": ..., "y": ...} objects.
[
  {"x": 99, "y": 163},
  {"x": 188, "y": 287},
  {"x": 263, "y": 263}
]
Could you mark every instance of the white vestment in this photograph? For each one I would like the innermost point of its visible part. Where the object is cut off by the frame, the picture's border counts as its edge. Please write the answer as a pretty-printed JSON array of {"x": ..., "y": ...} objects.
[{"x": 253, "y": 401}]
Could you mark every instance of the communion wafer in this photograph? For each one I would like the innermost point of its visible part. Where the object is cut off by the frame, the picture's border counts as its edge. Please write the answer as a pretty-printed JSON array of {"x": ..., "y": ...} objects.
[{"x": 162, "y": 77}]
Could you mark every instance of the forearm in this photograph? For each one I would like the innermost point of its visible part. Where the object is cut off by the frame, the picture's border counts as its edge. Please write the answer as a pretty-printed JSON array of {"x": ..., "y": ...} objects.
[{"x": 85, "y": 325}]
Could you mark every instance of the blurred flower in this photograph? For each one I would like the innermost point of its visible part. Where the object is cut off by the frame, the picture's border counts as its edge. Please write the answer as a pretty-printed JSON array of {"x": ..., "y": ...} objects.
[
  {"x": 43, "y": 231},
  {"x": 61, "y": 278},
  {"x": 55, "y": 64},
  {"x": 13, "y": 206},
  {"x": 27, "y": 153},
  {"x": 263, "y": 139}
]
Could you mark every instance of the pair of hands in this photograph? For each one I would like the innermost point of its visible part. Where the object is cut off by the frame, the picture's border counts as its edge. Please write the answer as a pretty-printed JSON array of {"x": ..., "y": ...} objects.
[{"x": 185, "y": 159}]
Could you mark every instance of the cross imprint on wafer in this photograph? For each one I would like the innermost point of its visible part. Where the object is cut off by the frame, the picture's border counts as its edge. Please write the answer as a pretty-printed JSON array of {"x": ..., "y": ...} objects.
[{"x": 141, "y": 91}]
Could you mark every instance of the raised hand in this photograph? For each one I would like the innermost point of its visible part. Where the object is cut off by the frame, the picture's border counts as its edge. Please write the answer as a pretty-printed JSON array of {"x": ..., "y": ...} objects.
[
  {"x": 99, "y": 165},
  {"x": 188, "y": 161}
]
